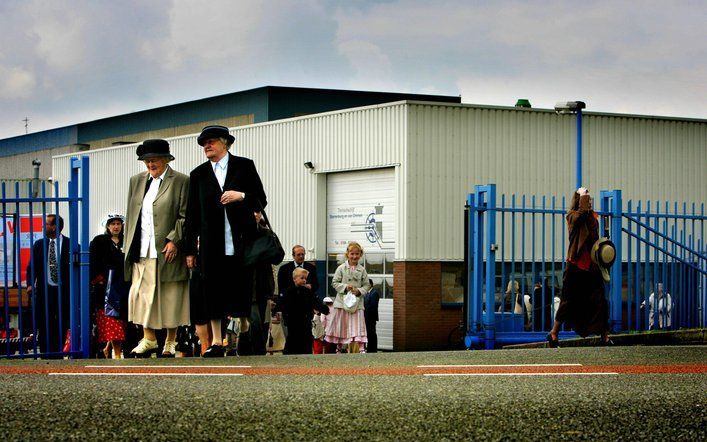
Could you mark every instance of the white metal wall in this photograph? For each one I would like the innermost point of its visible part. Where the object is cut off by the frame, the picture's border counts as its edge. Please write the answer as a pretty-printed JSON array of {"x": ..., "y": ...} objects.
[
  {"x": 452, "y": 148},
  {"x": 357, "y": 139},
  {"x": 440, "y": 152}
]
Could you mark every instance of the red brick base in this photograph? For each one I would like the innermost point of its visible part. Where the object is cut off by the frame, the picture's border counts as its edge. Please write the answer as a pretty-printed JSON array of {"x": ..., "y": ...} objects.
[{"x": 419, "y": 322}]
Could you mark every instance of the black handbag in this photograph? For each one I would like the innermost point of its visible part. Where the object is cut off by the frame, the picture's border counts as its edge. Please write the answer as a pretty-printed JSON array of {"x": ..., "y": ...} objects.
[{"x": 265, "y": 247}]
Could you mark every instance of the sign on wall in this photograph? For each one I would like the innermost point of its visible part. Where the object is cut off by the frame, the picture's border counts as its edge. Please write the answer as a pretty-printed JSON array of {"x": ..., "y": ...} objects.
[
  {"x": 12, "y": 235},
  {"x": 361, "y": 207}
]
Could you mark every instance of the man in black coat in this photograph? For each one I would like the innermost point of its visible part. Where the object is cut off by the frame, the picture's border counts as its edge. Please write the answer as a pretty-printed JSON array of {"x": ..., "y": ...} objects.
[
  {"x": 370, "y": 305},
  {"x": 52, "y": 273},
  {"x": 226, "y": 197},
  {"x": 284, "y": 273}
]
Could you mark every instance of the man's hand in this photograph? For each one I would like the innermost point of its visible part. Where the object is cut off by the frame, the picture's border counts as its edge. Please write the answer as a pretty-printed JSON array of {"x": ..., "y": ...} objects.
[
  {"x": 170, "y": 251},
  {"x": 29, "y": 289},
  {"x": 232, "y": 196},
  {"x": 191, "y": 261}
]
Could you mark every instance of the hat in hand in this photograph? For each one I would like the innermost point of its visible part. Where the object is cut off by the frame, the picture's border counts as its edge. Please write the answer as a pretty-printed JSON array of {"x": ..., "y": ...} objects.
[{"x": 603, "y": 255}]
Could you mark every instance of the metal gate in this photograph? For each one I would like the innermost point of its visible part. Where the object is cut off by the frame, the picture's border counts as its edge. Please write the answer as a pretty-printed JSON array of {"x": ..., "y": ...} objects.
[
  {"x": 33, "y": 322},
  {"x": 517, "y": 249}
]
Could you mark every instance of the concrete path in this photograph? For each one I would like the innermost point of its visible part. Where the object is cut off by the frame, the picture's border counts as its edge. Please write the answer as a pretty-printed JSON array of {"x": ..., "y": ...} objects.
[{"x": 647, "y": 393}]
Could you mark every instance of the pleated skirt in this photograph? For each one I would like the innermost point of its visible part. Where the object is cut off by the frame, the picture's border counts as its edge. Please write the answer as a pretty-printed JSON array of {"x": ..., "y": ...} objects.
[
  {"x": 344, "y": 327},
  {"x": 155, "y": 304}
]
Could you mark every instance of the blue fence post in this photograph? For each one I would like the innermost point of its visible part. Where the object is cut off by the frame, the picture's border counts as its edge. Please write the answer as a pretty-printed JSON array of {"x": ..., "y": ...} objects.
[
  {"x": 611, "y": 206},
  {"x": 616, "y": 269},
  {"x": 74, "y": 313},
  {"x": 472, "y": 300},
  {"x": 82, "y": 281},
  {"x": 478, "y": 235},
  {"x": 489, "y": 321}
]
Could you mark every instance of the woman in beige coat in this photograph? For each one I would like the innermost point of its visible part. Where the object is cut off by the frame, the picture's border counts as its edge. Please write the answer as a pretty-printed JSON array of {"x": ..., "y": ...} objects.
[{"x": 159, "y": 294}]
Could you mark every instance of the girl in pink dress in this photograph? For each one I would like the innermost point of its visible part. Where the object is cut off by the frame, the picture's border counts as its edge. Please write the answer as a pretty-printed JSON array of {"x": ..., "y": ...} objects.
[{"x": 346, "y": 322}]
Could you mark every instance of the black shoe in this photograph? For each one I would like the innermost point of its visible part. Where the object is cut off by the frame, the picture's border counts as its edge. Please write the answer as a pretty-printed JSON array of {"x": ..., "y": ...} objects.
[
  {"x": 215, "y": 351},
  {"x": 232, "y": 352},
  {"x": 607, "y": 343},
  {"x": 552, "y": 343}
]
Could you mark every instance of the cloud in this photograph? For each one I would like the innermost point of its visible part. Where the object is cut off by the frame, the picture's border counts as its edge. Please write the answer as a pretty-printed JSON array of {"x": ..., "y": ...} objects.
[
  {"x": 16, "y": 83},
  {"x": 66, "y": 61}
]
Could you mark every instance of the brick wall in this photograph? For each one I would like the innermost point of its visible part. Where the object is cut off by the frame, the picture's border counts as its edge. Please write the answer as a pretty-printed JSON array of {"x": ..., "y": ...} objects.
[{"x": 419, "y": 322}]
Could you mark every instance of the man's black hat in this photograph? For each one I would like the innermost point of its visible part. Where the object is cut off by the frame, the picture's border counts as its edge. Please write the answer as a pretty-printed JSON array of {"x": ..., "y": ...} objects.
[
  {"x": 215, "y": 131},
  {"x": 153, "y": 149}
]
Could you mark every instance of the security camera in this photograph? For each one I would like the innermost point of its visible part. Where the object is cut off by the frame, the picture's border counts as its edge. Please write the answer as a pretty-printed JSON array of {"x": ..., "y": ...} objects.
[
  {"x": 569, "y": 107},
  {"x": 309, "y": 165},
  {"x": 50, "y": 179}
]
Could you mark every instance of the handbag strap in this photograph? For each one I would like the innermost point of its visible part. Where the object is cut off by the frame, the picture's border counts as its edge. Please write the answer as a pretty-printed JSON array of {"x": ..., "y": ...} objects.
[{"x": 265, "y": 216}]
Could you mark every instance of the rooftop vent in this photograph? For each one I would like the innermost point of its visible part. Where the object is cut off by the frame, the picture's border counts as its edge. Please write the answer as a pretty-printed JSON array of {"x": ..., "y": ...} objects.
[{"x": 523, "y": 102}]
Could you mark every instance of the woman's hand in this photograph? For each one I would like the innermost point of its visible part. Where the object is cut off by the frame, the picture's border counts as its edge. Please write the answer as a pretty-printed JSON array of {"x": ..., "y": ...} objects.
[
  {"x": 232, "y": 196},
  {"x": 170, "y": 251}
]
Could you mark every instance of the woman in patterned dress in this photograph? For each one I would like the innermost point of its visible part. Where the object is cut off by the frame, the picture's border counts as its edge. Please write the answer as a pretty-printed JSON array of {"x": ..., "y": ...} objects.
[{"x": 106, "y": 254}]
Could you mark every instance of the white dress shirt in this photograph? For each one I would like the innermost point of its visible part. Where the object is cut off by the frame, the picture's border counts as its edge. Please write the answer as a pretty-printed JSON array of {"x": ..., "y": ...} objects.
[
  {"x": 220, "y": 169},
  {"x": 147, "y": 224}
]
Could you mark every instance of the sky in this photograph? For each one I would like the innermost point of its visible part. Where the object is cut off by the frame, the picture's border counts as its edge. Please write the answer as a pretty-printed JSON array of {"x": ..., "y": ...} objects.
[{"x": 67, "y": 62}]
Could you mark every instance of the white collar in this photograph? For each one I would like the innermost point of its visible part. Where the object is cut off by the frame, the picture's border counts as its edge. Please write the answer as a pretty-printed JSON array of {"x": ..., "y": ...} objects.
[
  {"x": 161, "y": 177},
  {"x": 223, "y": 162}
]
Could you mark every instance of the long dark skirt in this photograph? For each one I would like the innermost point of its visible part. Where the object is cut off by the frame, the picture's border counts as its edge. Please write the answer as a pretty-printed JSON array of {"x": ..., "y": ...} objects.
[
  {"x": 583, "y": 305},
  {"x": 228, "y": 290}
]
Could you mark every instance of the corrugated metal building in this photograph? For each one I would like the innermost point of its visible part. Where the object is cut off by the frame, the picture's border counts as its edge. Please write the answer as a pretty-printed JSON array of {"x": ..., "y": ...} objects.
[
  {"x": 395, "y": 177},
  {"x": 258, "y": 105}
]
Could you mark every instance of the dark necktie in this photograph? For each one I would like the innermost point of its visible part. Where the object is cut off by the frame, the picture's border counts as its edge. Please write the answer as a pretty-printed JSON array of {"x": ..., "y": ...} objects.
[{"x": 53, "y": 277}]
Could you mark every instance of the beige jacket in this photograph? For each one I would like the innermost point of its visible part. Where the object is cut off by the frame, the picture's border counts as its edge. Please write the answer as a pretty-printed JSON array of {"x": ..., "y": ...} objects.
[
  {"x": 169, "y": 209},
  {"x": 345, "y": 276}
]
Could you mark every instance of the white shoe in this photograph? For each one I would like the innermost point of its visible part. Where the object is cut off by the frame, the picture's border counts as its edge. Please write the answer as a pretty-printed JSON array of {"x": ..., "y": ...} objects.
[
  {"x": 144, "y": 348},
  {"x": 170, "y": 349}
]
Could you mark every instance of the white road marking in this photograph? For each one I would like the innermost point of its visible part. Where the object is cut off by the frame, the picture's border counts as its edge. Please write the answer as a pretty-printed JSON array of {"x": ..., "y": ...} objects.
[
  {"x": 145, "y": 374},
  {"x": 522, "y": 374},
  {"x": 499, "y": 365},
  {"x": 168, "y": 366}
]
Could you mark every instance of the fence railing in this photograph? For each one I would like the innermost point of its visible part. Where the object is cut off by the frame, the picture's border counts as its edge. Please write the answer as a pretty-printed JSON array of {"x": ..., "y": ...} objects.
[
  {"x": 517, "y": 257},
  {"x": 38, "y": 322}
]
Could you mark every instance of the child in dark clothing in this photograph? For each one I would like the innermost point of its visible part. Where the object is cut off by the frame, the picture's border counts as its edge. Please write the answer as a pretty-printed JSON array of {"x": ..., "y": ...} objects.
[{"x": 298, "y": 305}]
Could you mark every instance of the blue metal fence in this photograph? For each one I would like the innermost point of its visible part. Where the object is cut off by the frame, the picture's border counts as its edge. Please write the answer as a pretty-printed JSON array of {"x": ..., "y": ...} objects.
[
  {"x": 22, "y": 226},
  {"x": 517, "y": 256}
]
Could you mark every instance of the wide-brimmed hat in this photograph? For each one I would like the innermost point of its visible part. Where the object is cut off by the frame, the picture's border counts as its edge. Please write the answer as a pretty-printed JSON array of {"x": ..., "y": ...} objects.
[
  {"x": 604, "y": 254},
  {"x": 153, "y": 149},
  {"x": 214, "y": 131},
  {"x": 112, "y": 216}
]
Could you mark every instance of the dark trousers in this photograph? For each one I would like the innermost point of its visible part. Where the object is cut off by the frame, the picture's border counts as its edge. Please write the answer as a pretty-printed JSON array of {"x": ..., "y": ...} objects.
[
  {"x": 372, "y": 346},
  {"x": 51, "y": 333}
]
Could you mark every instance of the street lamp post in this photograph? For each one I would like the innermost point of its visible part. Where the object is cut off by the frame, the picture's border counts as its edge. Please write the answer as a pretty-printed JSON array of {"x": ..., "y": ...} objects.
[{"x": 574, "y": 107}]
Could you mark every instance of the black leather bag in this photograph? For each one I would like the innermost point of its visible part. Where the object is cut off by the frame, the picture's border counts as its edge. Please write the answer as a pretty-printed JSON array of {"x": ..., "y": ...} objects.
[{"x": 265, "y": 248}]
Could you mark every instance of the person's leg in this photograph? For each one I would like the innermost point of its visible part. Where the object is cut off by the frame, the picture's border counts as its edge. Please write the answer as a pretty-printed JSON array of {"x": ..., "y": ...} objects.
[
  {"x": 203, "y": 331},
  {"x": 216, "y": 336},
  {"x": 149, "y": 334},
  {"x": 107, "y": 349},
  {"x": 117, "y": 349}
]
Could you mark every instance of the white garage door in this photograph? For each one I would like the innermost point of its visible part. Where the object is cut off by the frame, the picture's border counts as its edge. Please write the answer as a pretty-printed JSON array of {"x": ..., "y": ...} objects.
[{"x": 361, "y": 207}]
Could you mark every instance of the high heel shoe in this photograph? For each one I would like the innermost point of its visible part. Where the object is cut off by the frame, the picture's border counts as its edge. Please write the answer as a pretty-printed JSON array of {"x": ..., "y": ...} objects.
[{"x": 552, "y": 343}]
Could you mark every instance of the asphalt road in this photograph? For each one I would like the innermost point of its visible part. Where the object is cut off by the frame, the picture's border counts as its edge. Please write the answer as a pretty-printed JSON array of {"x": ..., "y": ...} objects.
[{"x": 628, "y": 393}]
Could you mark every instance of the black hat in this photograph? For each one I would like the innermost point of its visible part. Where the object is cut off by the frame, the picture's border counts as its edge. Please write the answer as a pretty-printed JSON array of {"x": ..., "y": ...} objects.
[
  {"x": 215, "y": 131},
  {"x": 153, "y": 149}
]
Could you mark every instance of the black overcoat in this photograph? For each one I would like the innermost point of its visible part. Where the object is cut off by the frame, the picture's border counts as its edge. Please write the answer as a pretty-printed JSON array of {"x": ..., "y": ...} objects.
[{"x": 205, "y": 213}]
